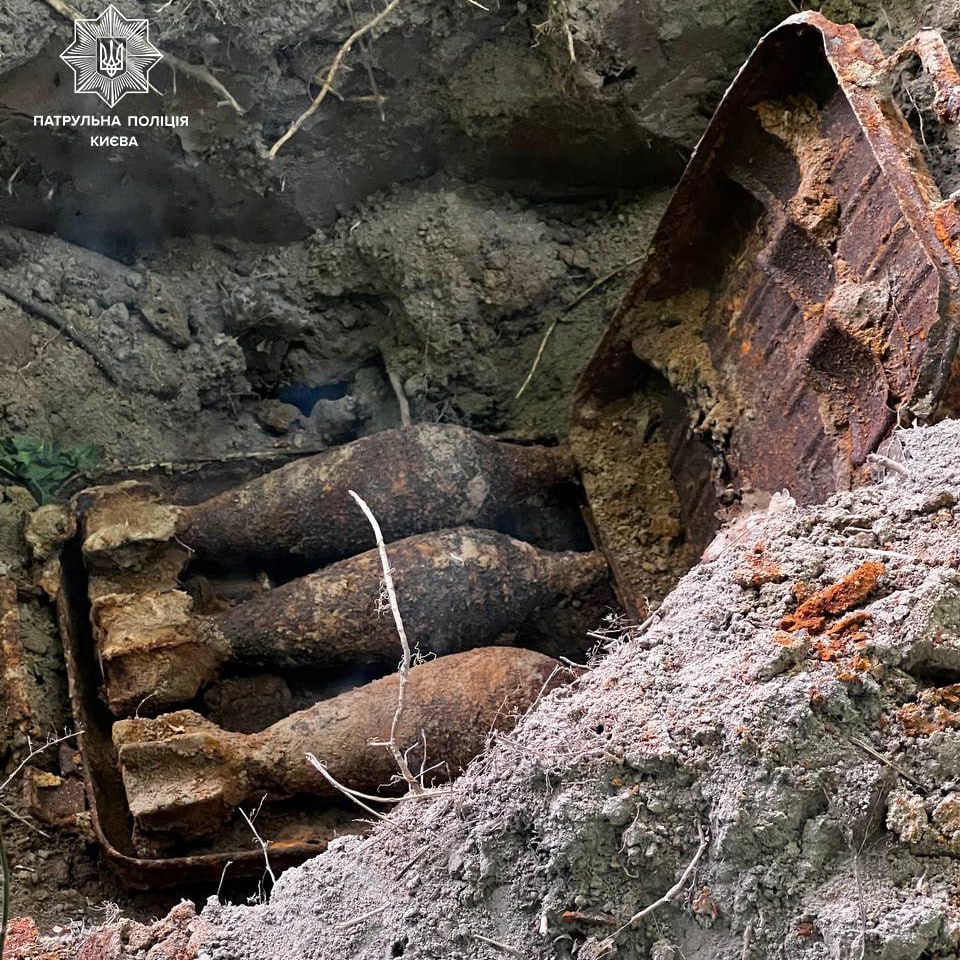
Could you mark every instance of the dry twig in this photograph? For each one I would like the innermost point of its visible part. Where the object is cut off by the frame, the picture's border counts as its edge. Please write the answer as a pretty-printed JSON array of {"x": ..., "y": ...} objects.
[
  {"x": 368, "y": 67},
  {"x": 223, "y": 876},
  {"x": 575, "y": 302},
  {"x": 505, "y": 947},
  {"x": 898, "y": 770},
  {"x": 888, "y": 464},
  {"x": 263, "y": 843},
  {"x": 402, "y": 400},
  {"x": 355, "y": 795},
  {"x": 35, "y": 752},
  {"x": 353, "y": 921},
  {"x": 669, "y": 896},
  {"x": 10, "y": 812},
  {"x": 5, "y": 875},
  {"x": 327, "y": 85}
]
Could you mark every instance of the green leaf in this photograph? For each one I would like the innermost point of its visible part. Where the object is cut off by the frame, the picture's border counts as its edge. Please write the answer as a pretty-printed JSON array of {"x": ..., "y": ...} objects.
[{"x": 41, "y": 466}]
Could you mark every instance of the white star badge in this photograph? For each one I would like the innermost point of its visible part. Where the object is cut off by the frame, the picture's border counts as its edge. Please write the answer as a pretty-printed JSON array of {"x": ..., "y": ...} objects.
[{"x": 111, "y": 56}]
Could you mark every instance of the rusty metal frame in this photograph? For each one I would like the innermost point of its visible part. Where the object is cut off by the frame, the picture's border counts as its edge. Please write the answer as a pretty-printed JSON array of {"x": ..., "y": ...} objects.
[{"x": 110, "y": 814}]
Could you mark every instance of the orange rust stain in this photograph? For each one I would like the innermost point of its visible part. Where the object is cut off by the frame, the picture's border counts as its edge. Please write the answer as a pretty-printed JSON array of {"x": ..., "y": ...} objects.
[
  {"x": 934, "y": 711},
  {"x": 856, "y": 668},
  {"x": 757, "y": 569},
  {"x": 813, "y": 614},
  {"x": 843, "y": 638},
  {"x": 787, "y": 639},
  {"x": 745, "y": 348},
  {"x": 802, "y": 591}
]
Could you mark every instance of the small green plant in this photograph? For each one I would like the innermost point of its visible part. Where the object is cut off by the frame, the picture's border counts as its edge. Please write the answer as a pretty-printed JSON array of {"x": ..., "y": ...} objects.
[{"x": 42, "y": 466}]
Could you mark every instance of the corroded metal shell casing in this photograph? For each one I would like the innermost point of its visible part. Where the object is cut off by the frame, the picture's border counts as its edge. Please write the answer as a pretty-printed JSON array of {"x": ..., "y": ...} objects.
[
  {"x": 457, "y": 589},
  {"x": 184, "y": 776},
  {"x": 415, "y": 479}
]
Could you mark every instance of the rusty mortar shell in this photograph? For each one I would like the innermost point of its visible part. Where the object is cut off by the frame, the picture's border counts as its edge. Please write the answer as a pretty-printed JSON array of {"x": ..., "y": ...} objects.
[
  {"x": 415, "y": 479},
  {"x": 457, "y": 589},
  {"x": 184, "y": 777}
]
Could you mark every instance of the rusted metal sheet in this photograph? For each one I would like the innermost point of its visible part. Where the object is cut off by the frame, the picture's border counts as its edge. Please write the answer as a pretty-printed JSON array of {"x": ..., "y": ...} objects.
[
  {"x": 295, "y": 835},
  {"x": 799, "y": 297},
  {"x": 15, "y": 708}
]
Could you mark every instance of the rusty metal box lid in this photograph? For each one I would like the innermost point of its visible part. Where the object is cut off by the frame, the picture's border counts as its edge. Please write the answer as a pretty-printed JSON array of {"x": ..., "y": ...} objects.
[{"x": 800, "y": 294}]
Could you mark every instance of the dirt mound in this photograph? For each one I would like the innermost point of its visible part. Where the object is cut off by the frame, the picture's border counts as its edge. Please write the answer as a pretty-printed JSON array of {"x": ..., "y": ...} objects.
[{"x": 819, "y": 760}]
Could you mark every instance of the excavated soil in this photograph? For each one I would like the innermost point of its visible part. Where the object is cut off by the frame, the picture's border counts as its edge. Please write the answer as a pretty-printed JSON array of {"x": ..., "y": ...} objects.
[
  {"x": 820, "y": 764},
  {"x": 769, "y": 768},
  {"x": 435, "y": 243}
]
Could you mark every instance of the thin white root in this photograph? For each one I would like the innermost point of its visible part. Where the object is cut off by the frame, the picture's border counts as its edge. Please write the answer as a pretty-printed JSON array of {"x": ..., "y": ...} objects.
[
  {"x": 888, "y": 464},
  {"x": 331, "y": 73},
  {"x": 349, "y": 793},
  {"x": 353, "y": 921},
  {"x": 407, "y": 662},
  {"x": 10, "y": 812},
  {"x": 35, "y": 752},
  {"x": 575, "y": 302},
  {"x": 500, "y": 945},
  {"x": 402, "y": 400}
]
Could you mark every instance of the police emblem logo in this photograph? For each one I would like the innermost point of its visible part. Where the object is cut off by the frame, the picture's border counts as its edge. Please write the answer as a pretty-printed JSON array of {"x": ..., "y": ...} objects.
[{"x": 111, "y": 56}]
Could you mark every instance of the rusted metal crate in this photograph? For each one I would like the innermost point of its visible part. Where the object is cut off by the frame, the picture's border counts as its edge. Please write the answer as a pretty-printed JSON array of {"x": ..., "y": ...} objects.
[
  {"x": 297, "y": 828},
  {"x": 800, "y": 295},
  {"x": 296, "y": 831}
]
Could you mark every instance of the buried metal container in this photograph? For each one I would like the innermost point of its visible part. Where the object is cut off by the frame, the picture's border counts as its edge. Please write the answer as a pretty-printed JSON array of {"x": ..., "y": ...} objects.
[
  {"x": 163, "y": 806},
  {"x": 294, "y": 836},
  {"x": 800, "y": 295}
]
